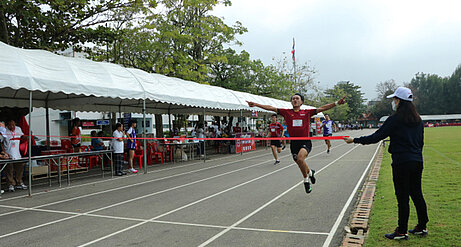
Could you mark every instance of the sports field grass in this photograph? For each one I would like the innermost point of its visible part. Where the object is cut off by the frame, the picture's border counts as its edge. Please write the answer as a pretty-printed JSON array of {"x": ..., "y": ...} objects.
[{"x": 441, "y": 184}]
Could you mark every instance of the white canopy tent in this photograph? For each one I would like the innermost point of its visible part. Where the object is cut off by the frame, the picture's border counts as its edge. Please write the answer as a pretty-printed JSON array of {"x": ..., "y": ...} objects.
[
  {"x": 37, "y": 78},
  {"x": 67, "y": 83}
]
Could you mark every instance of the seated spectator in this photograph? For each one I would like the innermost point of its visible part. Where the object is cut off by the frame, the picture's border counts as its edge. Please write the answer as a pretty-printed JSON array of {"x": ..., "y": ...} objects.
[{"x": 97, "y": 143}]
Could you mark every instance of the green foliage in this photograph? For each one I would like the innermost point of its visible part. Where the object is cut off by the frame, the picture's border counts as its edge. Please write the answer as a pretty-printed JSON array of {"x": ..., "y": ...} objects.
[
  {"x": 58, "y": 24},
  {"x": 437, "y": 95},
  {"x": 354, "y": 99}
]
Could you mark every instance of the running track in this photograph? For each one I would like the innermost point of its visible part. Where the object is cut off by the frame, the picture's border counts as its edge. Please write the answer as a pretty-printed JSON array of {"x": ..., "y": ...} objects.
[{"x": 230, "y": 200}]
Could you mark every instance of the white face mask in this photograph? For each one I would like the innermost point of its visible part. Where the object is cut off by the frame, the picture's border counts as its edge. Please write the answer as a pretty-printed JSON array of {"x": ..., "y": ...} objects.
[{"x": 394, "y": 106}]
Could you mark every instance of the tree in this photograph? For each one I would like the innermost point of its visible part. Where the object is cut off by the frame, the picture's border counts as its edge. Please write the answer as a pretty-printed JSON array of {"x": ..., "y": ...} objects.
[
  {"x": 58, "y": 24},
  {"x": 382, "y": 107},
  {"x": 354, "y": 98},
  {"x": 338, "y": 113}
]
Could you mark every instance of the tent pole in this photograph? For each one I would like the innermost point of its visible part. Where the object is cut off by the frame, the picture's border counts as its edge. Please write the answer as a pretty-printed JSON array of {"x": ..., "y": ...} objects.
[
  {"x": 169, "y": 120},
  {"x": 144, "y": 134},
  {"x": 30, "y": 143},
  {"x": 204, "y": 142},
  {"x": 241, "y": 133},
  {"x": 47, "y": 117}
]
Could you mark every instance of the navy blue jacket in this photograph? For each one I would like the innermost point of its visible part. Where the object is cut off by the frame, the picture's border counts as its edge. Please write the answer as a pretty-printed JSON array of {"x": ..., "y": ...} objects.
[{"x": 406, "y": 142}]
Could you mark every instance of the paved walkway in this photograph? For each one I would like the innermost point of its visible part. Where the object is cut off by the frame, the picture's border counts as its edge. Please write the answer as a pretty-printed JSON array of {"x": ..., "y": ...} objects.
[{"x": 230, "y": 200}]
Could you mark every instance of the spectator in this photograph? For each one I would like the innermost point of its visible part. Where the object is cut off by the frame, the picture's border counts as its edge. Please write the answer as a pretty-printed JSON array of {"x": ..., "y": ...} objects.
[
  {"x": 76, "y": 135},
  {"x": 117, "y": 144},
  {"x": 14, "y": 172},
  {"x": 3, "y": 155},
  {"x": 131, "y": 145},
  {"x": 96, "y": 142},
  {"x": 200, "y": 134}
]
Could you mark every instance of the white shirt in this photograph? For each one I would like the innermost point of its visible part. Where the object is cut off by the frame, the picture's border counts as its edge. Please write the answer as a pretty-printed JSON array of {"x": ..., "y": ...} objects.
[
  {"x": 117, "y": 145},
  {"x": 12, "y": 146}
]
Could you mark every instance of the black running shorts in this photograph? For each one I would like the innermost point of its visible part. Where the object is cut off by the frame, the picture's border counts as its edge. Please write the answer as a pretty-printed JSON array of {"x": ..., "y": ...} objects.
[
  {"x": 276, "y": 143},
  {"x": 296, "y": 145}
]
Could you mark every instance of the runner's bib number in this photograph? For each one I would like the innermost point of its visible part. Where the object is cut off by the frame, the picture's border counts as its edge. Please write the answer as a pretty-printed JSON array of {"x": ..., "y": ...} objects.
[{"x": 297, "y": 123}]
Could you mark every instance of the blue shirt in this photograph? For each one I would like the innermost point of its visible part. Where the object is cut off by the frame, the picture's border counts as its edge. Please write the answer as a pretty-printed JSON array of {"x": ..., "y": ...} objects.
[{"x": 327, "y": 127}]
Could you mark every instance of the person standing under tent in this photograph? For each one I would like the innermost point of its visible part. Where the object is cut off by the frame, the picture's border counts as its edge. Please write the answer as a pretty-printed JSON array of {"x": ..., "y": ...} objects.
[
  {"x": 406, "y": 131},
  {"x": 14, "y": 172},
  {"x": 298, "y": 123},
  {"x": 275, "y": 130},
  {"x": 327, "y": 126},
  {"x": 131, "y": 145},
  {"x": 118, "y": 146},
  {"x": 76, "y": 135}
]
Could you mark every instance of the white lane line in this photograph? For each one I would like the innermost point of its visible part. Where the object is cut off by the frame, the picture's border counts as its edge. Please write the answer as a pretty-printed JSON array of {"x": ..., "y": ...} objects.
[
  {"x": 185, "y": 206},
  {"x": 348, "y": 202},
  {"x": 266, "y": 204},
  {"x": 167, "y": 222},
  {"x": 116, "y": 178},
  {"x": 120, "y": 203},
  {"x": 74, "y": 216},
  {"x": 193, "y": 203},
  {"x": 132, "y": 185}
]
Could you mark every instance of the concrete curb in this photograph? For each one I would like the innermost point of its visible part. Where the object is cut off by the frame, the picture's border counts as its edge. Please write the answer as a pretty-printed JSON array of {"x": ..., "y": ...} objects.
[{"x": 357, "y": 230}]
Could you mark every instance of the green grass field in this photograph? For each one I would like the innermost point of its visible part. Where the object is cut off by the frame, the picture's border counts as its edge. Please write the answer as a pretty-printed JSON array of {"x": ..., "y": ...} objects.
[{"x": 441, "y": 184}]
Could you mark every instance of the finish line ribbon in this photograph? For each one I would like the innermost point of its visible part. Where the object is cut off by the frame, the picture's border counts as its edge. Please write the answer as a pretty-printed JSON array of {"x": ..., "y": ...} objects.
[{"x": 214, "y": 139}]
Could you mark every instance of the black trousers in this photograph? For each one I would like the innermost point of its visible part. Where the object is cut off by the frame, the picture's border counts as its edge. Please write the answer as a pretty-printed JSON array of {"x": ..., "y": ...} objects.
[{"x": 407, "y": 183}]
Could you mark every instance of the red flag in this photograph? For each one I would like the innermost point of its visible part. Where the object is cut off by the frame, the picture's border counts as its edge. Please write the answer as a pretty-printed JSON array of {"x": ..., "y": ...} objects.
[{"x": 293, "y": 49}]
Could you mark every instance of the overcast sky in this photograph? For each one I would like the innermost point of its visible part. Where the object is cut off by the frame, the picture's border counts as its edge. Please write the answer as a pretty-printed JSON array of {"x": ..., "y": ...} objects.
[{"x": 363, "y": 41}]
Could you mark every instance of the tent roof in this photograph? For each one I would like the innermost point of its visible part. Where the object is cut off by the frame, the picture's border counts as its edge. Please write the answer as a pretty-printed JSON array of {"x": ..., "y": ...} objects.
[
  {"x": 78, "y": 84},
  {"x": 432, "y": 117}
]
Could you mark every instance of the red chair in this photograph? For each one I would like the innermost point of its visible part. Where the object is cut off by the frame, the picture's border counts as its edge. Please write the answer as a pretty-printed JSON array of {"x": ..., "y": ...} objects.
[
  {"x": 155, "y": 152},
  {"x": 65, "y": 145},
  {"x": 139, "y": 156},
  {"x": 168, "y": 152},
  {"x": 90, "y": 161}
]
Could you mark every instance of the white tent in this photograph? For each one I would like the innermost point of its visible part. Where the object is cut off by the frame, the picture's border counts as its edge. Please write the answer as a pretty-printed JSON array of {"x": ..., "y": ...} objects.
[{"x": 67, "y": 83}]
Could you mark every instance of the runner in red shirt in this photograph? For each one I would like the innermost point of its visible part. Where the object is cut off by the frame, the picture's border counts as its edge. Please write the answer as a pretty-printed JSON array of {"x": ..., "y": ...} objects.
[
  {"x": 275, "y": 130},
  {"x": 298, "y": 122}
]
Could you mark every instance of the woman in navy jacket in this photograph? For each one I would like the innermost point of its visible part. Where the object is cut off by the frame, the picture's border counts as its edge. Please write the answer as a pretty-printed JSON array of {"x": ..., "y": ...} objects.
[{"x": 406, "y": 132}]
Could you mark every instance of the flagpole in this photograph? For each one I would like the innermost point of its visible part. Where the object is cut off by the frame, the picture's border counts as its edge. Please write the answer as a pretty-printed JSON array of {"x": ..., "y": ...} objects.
[{"x": 294, "y": 61}]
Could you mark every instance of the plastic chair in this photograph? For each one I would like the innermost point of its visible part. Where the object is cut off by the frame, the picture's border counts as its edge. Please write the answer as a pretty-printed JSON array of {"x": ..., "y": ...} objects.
[
  {"x": 65, "y": 145},
  {"x": 139, "y": 156},
  {"x": 156, "y": 153},
  {"x": 90, "y": 161}
]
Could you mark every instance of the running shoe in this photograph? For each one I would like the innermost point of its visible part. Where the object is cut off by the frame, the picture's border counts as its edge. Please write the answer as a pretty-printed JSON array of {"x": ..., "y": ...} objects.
[
  {"x": 312, "y": 178},
  {"x": 11, "y": 188},
  {"x": 277, "y": 162},
  {"x": 396, "y": 235},
  {"x": 283, "y": 148},
  {"x": 118, "y": 174},
  {"x": 418, "y": 231},
  {"x": 22, "y": 186},
  {"x": 132, "y": 170},
  {"x": 307, "y": 187},
  {"x": 328, "y": 151}
]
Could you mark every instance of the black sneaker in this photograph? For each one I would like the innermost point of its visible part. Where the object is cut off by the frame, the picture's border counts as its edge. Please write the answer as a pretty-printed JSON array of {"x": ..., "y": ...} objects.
[
  {"x": 396, "y": 235},
  {"x": 312, "y": 178},
  {"x": 283, "y": 148},
  {"x": 118, "y": 174},
  {"x": 418, "y": 231},
  {"x": 307, "y": 187},
  {"x": 328, "y": 151},
  {"x": 277, "y": 162}
]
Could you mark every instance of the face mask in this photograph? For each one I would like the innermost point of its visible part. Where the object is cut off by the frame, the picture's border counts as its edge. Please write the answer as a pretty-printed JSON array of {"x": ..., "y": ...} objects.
[{"x": 394, "y": 106}]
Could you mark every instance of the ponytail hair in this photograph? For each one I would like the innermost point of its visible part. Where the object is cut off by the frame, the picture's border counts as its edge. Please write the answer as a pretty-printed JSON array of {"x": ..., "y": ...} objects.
[{"x": 406, "y": 112}]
